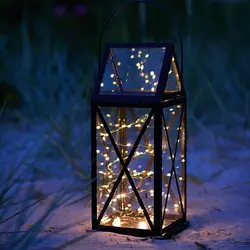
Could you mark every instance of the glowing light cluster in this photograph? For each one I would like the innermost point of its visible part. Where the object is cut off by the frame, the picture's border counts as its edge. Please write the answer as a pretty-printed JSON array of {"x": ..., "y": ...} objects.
[
  {"x": 121, "y": 203},
  {"x": 145, "y": 76}
]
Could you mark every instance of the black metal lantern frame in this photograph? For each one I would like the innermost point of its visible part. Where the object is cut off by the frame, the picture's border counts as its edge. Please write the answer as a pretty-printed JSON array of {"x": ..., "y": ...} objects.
[{"x": 138, "y": 141}]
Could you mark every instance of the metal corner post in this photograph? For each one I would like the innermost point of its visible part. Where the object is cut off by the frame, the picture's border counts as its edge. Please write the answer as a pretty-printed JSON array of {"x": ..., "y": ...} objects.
[
  {"x": 185, "y": 157},
  {"x": 157, "y": 170},
  {"x": 93, "y": 165}
]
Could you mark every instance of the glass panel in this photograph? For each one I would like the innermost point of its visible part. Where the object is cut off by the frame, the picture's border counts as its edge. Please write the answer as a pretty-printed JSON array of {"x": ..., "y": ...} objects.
[
  {"x": 141, "y": 166},
  {"x": 132, "y": 71},
  {"x": 173, "y": 209},
  {"x": 173, "y": 83},
  {"x": 125, "y": 125}
]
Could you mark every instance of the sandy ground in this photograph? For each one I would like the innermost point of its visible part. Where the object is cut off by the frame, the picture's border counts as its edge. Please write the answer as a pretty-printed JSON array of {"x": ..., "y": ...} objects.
[
  {"x": 219, "y": 219},
  {"x": 218, "y": 209}
]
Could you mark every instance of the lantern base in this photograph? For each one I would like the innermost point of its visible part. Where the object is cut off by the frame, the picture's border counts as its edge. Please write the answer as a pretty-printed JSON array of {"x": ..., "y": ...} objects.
[
  {"x": 167, "y": 233},
  {"x": 174, "y": 228}
]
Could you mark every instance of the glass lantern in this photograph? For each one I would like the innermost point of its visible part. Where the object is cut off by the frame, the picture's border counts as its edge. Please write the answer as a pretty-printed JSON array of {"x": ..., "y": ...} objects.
[{"x": 138, "y": 141}]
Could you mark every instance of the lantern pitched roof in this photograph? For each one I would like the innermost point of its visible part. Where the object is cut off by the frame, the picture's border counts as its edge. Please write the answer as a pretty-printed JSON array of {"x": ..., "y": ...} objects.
[{"x": 138, "y": 72}]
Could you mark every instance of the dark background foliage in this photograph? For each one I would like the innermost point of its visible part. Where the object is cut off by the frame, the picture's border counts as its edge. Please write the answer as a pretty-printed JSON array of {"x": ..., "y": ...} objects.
[{"x": 48, "y": 52}]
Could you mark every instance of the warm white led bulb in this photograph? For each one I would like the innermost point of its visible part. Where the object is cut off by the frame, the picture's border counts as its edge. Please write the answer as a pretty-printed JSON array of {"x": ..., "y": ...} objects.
[
  {"x": 140, "y": 210},
  {"x": 143, "y": 225},
  {"x": 116, "y": 222}
]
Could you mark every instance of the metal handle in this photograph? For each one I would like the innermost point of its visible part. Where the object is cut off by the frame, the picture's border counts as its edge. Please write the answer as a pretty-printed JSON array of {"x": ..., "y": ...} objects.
[{"x": 135, "y": 2}]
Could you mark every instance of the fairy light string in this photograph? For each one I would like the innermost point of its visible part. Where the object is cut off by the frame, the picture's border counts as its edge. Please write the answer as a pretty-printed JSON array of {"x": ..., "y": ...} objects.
[{"x": 107, "y": 151}]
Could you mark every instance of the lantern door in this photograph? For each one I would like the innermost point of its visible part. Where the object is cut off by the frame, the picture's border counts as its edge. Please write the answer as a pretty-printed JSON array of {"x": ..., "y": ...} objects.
[
  {"x": 173, "y": 164},
  {"x": 125, "y": 167}
]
